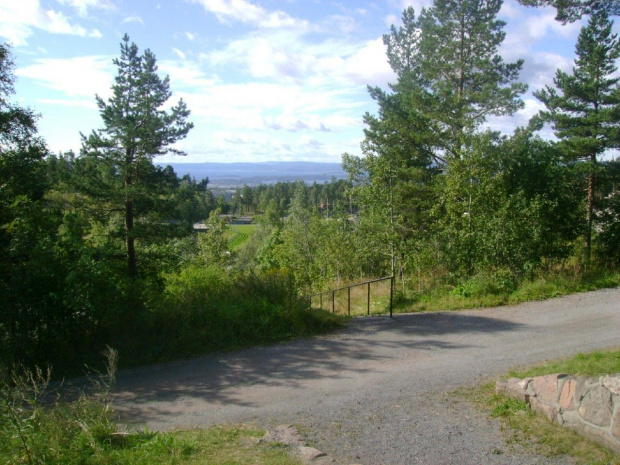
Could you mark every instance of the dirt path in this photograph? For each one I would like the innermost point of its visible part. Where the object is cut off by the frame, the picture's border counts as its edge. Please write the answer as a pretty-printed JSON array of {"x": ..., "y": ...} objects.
[{"x": 375, "y": 393}]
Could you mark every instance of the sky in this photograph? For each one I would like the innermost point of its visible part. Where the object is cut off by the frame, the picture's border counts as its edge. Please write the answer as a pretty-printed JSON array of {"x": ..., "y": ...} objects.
[{"x": 265, "y": 80}]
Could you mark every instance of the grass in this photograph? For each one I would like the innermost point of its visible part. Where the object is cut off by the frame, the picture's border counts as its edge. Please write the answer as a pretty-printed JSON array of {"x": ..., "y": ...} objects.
[
  {"x": 379, "y": 300},
  {"x": 219, "y": 445},
  {"x": 38, "y": 428},
  {"x": 239, "y": 233},
  {"x": 527, "y": 428},
  {"x": 479, "y": 292}
]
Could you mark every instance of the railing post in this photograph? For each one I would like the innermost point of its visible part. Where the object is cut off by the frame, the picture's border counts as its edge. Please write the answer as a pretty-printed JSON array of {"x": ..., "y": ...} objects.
[
  {"x": 368, "y": 300},
  {"x": 349, "y": 300},
  {"x": 391, "y": 294},
  {"x": 321, "y": 301},
  {"x": 333, "y": 301}
]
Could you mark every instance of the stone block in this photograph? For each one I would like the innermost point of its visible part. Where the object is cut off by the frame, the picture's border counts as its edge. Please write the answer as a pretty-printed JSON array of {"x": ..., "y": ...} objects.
[
  {"x": 615, "y": 426},
  {"x": 514, "y": 387},
  {"x": 285, "y": 434},
  {"x": 310, "y": 454},
  {"x": 580, "y": 389},
  {"x": 599, "y": 436},
  {"x": 612, "y": 383},
  {"x": 549, "y": 410},
  {"x": 595, "y": 406},
  {"x": 567, "y": 394},
  {"x": 571, "y": 418},
  {"x": 546, "y": 387}
]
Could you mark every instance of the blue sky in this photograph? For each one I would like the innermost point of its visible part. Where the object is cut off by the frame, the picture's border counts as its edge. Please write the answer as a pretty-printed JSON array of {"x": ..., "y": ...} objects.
[{"x": 264, "y": 79}]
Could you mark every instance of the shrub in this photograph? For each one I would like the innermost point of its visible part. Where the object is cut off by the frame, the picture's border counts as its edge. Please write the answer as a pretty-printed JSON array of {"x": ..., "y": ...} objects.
[{"x": 208, "y": 308}]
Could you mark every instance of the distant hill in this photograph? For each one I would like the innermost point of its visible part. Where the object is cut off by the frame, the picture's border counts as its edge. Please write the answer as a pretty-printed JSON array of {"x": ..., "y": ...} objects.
[{"x": 253, "y": 174}]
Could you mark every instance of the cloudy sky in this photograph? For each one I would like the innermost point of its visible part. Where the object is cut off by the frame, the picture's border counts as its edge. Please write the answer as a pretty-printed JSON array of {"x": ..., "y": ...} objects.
[{"x": 264, "y": 79}]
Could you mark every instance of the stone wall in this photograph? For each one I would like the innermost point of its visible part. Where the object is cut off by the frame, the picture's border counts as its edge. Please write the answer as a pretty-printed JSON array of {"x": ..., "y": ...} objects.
[{"x": 591, "y": 406}]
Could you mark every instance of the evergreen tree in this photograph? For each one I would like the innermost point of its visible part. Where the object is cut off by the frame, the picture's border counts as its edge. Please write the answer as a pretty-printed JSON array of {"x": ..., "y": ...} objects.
[
  {"x": 585, "y": 113},
  {"x": 572, "y": 10},
  {"x": 136, "y": 129},
  {"x": 450, "y": 79}
]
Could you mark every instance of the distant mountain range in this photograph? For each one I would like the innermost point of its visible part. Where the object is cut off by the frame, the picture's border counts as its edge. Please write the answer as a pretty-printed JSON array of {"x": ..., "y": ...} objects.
[{"x": 253, "y": 174}]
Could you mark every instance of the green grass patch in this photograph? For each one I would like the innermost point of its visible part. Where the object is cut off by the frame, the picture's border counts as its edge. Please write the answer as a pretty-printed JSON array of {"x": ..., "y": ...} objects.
[
  {"x": 239, "y": 234},
  {"x": 585, "y": 365},
  {"x": 493, "y": 291},
  {"x": 526, "y": 428},
  {"x": 37, "y": 428}
]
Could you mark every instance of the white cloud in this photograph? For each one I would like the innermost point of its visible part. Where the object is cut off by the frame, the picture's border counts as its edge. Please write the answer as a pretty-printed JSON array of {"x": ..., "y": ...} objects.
[
  {"x": 416, "y": 4},
  {"x": 63, "y": 103},
  {"x": 540, "y": 69},
  {"x": 73, "y": 77},
  {"x": 247, "y": 12},
  {"x": 179, "y": 53},
  {"x": 191, "y": 36},
  {"x": 288, "y": 57},
  {"x": 369, "y": 64},
  {"x": 133, "y": 19},
  {"x": 19, "y": 18},
  {"x": 82, "y": 6}
]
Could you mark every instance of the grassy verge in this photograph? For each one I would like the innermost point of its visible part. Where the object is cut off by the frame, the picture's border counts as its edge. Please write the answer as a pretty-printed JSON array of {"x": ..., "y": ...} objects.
[
  {"x": 479, "y": 291},
  {"x": 359, "y": 303},
  {"x": 524, "y": 427},
  {"x": 38, "y": 428}
]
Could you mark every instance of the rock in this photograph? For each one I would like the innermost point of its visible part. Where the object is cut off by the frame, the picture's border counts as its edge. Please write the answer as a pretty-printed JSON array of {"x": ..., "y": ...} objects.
[
  {"x": 615, "y": 427},
  {"x": 548, "y": 410},
  {"x": 600, "y": 437},
  {"x": 595, "y": 406},
  {"x": 567, "y": 395},
  {"x": 310, "y": 454},
  {"x": 514, "y": 387},
  {"x": 612, "y": 383},
  {"x": 546, "y": 387},
  {"x": 286, "y": 434},
  {"x": 570, "y": 418}
]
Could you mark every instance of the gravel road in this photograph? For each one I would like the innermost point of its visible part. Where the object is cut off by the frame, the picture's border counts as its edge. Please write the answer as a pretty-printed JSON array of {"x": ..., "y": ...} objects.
[{"x": 377, "y": 392}]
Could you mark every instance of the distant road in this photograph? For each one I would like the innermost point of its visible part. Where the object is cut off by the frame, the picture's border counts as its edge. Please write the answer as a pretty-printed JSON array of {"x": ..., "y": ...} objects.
[{"x": 376, "y": 392}]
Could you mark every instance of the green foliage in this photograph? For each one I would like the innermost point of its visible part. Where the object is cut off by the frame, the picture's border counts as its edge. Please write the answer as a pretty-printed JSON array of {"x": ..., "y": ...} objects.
[
  {"x": 584, "y": 113},
  {"x": 500, "y": 287},
  {"x": 213, "y": 243},
  {"x": 204, "y": 309},
  {"x": 136, "y": 129},
  {"x": 573, "y": 10}
]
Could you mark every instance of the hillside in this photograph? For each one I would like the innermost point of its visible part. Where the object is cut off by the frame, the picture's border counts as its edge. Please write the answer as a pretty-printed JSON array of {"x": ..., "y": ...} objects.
[{"x": 253, "y": 174}]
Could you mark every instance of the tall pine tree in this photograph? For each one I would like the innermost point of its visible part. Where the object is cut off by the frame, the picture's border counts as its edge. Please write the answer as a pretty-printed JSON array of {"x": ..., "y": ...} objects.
[
  {"x": 584, "y": 107},
  {"x": 572, "y": 10},
  {"x": 136, "y": 129},
  {"x": 450, "y": 79}
]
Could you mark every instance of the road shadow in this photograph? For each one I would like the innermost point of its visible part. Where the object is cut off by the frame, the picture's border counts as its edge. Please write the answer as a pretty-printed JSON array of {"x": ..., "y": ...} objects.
[{"x": 364, "y": 346}]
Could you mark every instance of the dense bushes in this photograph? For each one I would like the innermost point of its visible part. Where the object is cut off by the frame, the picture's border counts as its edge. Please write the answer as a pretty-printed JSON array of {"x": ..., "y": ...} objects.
[{"x": 207, "y": 308}]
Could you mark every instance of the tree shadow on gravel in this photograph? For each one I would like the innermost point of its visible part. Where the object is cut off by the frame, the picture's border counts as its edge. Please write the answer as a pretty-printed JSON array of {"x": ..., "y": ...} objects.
[{"x": 365, "y": 346}]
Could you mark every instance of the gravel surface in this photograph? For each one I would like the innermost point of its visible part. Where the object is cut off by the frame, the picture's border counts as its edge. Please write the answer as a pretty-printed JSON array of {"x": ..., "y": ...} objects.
[{"x": 378, "y": 392}]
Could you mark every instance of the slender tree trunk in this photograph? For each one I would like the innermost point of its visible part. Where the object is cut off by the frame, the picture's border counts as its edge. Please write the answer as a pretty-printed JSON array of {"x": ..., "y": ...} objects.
[
  {"x": 132, "y": 268},
  {"x": 590, "y": 210}
]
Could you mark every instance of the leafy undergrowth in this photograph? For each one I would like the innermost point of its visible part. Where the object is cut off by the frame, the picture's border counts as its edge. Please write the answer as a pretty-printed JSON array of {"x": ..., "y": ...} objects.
[
  {"x": 492, "y": 291},
  {"x": 526, "y": 428}
]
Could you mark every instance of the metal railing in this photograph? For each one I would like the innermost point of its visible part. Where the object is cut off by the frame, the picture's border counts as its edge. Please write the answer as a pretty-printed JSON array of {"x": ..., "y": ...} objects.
[{"x": 332, "y": 294}]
